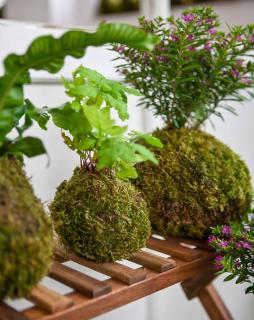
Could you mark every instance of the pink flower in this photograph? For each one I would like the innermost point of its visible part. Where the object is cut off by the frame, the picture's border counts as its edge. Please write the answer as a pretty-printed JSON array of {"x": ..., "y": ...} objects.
[
  {"x": 218, "y": 258},
  {"x": 246, "y": 245},
  {"x": 238, "y": 245},
  {"x": 251, "y": 39},
  {"x": 209, "y": 21},
  {"x": 239, "y": 62},
  {"x": 238, "y": 264},
  {"x": 190, "y": 37},
  {"x": 161, "y": 58},
  {"x": 212, "y": 31},
  {"x": 208, "y": 46},
  {"x": 226, "y": 229},
  {"x": 191, "y": 48},
  {"x": 212, "y": 239},
  {"x": 218, "y": 263},
  {"x": 245, "y": 81},
  {"x": 223, "y": 244},
  {"x": 120, "y": 49},
  {"x": 235, "y": 73},
  {"x": 188, "y": 17},
  {"x": 239, "y": 38},
  {"x": 174, "y": 38}
]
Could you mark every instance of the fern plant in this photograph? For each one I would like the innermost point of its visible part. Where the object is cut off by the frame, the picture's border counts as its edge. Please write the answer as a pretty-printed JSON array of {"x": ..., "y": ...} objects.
[{"x": 48, "y": 53}]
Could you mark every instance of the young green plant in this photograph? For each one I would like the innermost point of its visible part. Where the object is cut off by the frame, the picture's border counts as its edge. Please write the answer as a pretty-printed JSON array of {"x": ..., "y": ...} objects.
[{"x": 91, "y": 130}]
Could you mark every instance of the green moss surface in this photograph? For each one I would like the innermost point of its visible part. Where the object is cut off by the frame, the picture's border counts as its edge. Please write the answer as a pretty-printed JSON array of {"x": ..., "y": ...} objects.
[
  {"x": 25, "y": 232},
  {"x": 99, "y": 216},
  {"x": 199, "y": 182}
]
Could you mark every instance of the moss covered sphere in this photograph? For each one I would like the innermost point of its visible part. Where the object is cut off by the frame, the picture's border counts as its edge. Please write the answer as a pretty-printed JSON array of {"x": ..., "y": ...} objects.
[
  {"x": 25, "y": 233},
  {"x": 199, "y": 183},
  {"x": 99, "y": 216}
]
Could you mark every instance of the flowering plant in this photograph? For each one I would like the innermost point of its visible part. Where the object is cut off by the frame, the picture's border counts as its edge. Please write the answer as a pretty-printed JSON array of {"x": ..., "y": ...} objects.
[
  {"x": 195, "y": 70},
  {"x": 235, "y": 247}
]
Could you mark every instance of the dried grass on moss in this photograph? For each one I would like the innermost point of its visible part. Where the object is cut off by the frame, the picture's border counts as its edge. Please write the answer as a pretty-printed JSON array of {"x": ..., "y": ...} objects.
[
  {"x": 99, "y": 216},
  {"x": 25, "y": 233},
  {"x": 199, "y": 183}
]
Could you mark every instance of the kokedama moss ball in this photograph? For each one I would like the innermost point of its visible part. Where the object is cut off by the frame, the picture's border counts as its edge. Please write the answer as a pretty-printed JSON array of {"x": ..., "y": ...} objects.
[
  {"x": 25, "y": 232},
  {"x": 99, "y": 216},
  {"x": 199, "y": 183}
]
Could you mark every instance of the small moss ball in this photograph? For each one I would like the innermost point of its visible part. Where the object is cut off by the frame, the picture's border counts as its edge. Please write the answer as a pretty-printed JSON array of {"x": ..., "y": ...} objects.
[
  {"x": 199, "y": 183},
  {"x": 99, "y": 216},
  {"x": 25, "y": 232}
]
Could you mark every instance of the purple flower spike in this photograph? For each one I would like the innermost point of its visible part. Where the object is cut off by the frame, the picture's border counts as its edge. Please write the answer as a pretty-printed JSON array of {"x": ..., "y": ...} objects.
[
  {"x": 188, "y": 17},
  {"x": 246, "y": 245},
  {"x": 239, "y": 38},
  {"x": 212, "y": 31},
  {"x": 226, "y": 229}
]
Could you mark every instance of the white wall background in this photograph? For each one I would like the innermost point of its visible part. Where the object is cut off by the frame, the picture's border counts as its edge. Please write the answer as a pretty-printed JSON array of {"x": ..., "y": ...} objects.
[{"x": 237, "y": 132}]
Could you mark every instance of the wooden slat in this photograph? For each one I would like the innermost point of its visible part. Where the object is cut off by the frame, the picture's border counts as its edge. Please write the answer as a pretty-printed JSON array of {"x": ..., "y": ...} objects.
[
  {"x": 213, "y": 304},
  {"x": 112, "y": 269},
  {"x": 8, "y": 313},
  {"x": 49, "y": 300},
  {"x": 78, "y": 281},
  {"x": 152, "y": 261},
  {"x": 122, "y": 294},
  {"x": 174, "y": 249},
  {"x": 201, "y": 244}
]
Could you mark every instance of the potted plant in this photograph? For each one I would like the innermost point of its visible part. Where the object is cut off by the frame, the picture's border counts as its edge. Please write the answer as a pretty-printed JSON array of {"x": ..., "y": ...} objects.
[
  {"x": 98, "y": 213},
  {"x": 25, "y": 232},
  {"x": 192, "y": 74}
]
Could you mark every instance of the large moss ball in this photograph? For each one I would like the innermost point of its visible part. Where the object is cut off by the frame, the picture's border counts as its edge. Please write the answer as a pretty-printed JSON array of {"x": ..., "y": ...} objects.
[
  {"x": 99, "y": 216},
  {"x": 25, "y": 232},
  {"x": 199, "y": 183}
]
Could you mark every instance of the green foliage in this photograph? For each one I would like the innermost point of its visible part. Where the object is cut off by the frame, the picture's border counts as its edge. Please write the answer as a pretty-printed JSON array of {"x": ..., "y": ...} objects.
[
  {"x": 95, "y": 136},
  {"x": 99, "y": 216},
  {"x": 235, "y": 248},
  {"x": 199, "y": 183},
  {"x": 47, "y": 53},
  {"x": 195, "y": 70},
  {"x": 25, "y": 233}
]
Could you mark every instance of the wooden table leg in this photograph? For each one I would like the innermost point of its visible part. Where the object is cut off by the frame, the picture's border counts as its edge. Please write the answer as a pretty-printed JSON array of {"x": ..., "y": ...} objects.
[
  {"x": 213, "y": 304},
  {"x": 202, "y": 288}
]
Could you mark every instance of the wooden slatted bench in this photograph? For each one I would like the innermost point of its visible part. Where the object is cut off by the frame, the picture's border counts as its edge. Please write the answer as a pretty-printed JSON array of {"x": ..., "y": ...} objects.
[{"x": 190, "y": 263}]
